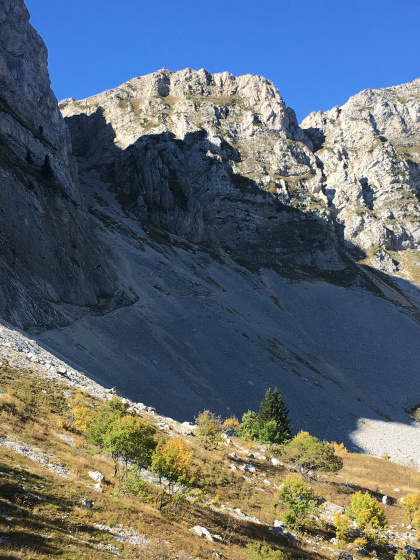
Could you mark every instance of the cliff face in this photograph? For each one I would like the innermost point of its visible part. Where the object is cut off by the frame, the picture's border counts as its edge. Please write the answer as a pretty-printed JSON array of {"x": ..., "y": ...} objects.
[
  {"x": 47, "y": 252},
  {"x": 207, "y": 157},
  {"x": 220, "y": 159},
  {"x": 370, "y": 151}
]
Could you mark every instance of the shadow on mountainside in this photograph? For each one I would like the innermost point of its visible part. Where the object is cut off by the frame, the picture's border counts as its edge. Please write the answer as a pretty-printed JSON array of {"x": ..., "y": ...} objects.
[
  {"x": 189, "y": 187},
  {"x": 217, "y": 318}
]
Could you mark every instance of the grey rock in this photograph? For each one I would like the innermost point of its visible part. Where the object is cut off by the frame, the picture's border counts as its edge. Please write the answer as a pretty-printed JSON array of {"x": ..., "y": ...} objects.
[
  {"x": 48, "y": 251},
  {"x": 387, "y": 500},
  {"x": 97, "y": 476},
  {"x": 344, "y": 555},
  {"x": 175, "y": 162},
  {"x": 202, "y": 532},
  {"x": 371, "y": 168},
  {"x": 328, "y": 510}
]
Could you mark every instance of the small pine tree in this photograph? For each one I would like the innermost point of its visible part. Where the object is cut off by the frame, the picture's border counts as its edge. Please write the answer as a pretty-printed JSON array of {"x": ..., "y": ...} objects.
[{"x": 273, "y": 409}]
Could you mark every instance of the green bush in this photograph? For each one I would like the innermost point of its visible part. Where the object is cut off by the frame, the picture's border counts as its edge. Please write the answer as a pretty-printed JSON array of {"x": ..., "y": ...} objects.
[
  {"x": 312, "y": 454},
  {"x": 368, "y": 515},
  {"x": 263, "y": 552},
  {"x": 299, "y": 499}
]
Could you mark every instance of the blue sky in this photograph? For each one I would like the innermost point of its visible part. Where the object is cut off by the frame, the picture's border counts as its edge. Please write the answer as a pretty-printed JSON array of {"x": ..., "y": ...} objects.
[{"x": 317, "y": 52}]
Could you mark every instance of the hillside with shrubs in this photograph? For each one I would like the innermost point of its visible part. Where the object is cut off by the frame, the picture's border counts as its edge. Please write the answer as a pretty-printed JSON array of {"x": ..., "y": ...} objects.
[{"x": 87, "y": 477}]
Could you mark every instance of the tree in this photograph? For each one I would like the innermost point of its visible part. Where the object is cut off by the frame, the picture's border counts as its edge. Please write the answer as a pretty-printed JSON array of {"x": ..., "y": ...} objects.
[
  {"x": 312, "y": 454},
  {"x": 273, "y": 409},
  {"x": 171, "y": 461},
  {"x": 271, "y": 424},
  {"x": 368, "y": 515},
  {"x": 102, "y": 419},
  {"x": 299, "y": 499},
  {"x": 117, "y": 431},
  {"x": 130, "y": 438},
  {"x": 209, "y": 429}
]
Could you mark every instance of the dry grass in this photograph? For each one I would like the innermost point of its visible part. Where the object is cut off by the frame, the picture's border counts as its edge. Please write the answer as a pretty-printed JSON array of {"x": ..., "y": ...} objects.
[{"x": 42, "y": 515}]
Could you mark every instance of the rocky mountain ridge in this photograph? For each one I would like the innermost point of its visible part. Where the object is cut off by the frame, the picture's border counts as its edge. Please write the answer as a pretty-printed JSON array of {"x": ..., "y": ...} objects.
[
  {"x": 203, "y": 156},
  {"x": 191, "y": 253},
  {"x": 370, "y": 150}
]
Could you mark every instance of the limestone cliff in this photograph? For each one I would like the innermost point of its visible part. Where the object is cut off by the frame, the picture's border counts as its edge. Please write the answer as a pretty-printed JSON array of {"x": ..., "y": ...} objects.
[
  {"x": 370, "y": 154},
  {"x": 210, "y": 158},
  {"x": 47, "y": 252}
]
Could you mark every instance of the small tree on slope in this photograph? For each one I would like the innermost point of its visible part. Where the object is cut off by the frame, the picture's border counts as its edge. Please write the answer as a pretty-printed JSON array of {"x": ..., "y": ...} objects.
[{"x": 273, "y": 420}]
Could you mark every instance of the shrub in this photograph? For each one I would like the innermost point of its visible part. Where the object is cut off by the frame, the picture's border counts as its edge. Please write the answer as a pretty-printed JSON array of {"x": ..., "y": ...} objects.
[
  {"x": 404, "y": 555},
  {"x": 209, "y": 429},
  {"x": 299, "y": 499},
  {"x": 411, "y": 504},
  {"x": 368, "y": 515},
  {"x": 263, "y": 552},
  {"x": 341, "y": 523},
  {"x": 230, "y": 425},
  {"x": 171, "y": 461},
  {"x": 134, "y": 484},
  {"x": 312, "y": 454}
]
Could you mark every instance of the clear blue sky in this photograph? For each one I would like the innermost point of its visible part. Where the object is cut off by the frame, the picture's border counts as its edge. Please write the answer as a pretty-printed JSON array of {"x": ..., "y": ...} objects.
[{"x": 317, "y": 52}]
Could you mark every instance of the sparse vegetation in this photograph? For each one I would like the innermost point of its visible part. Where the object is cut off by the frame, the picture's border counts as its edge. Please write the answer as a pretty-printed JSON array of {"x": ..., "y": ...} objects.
[
  {"x": 262, "y": 552},
  {"x": 194, "y": 480}
]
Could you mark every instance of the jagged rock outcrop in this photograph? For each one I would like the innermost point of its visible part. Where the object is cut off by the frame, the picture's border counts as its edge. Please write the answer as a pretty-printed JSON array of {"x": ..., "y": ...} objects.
[
  {"x": 212, "y": 158},
  {"x": 370, "y": 154},
  {"x": 47, "y": 252}
]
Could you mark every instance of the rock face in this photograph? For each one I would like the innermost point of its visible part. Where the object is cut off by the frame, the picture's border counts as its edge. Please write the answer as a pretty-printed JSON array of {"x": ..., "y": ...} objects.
[
  {"x": 47, "y": 254},
  {"x": 370, "y": 153},
  {"x": 209, "y": 157}
]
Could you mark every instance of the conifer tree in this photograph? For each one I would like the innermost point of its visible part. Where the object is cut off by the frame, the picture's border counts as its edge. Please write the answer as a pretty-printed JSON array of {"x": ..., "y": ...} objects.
[{"x": 273, "y": 414}]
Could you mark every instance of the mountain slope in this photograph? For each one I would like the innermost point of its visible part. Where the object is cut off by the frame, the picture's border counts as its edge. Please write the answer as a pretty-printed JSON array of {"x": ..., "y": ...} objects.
[{"x": 200, "y": 261}]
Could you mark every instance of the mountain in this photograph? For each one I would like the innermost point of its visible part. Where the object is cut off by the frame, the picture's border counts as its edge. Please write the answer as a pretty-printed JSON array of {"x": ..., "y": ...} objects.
[
  {"x": 48, "y": 256},
  {"x": 189, "y": 249}
]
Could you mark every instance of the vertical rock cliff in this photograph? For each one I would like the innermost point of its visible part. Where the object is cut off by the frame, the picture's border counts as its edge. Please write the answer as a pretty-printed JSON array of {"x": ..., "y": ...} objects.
[
  {"x": 47, "y": 252},
  {"x": 370, "y": 153}
]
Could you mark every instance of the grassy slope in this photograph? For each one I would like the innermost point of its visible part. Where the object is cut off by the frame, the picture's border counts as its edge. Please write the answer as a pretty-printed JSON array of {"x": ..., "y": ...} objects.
[{"x": 42, "y": 514}]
